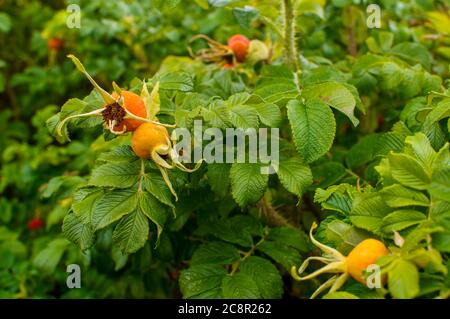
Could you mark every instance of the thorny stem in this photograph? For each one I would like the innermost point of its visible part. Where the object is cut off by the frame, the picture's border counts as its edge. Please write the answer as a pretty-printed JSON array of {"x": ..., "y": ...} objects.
[
  {"x": 271, "y": 215},
  {"x": 352, "y": 45},
  {"x": 290, "y": 48}
]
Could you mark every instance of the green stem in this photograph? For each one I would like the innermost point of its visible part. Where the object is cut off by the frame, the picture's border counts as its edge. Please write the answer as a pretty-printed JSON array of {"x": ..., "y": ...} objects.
[
  {"x": 290, "y": 54},
  {"x": 235, "y": 266}
]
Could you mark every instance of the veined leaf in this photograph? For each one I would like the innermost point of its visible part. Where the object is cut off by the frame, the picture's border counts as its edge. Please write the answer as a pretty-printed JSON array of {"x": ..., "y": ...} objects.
[
  {"x": 112, "y": 206},
  {"x": 240, "y": 286},
  {"x": 422, "y": 150},
  {"x": 247, "y": 183},
  {"x": 200, "y": 279},
  {"x": 219, "y": 177},
  {"x": 368, "y": 211},
  {"x": 269, "y": 114},
  {"x": 401, "y": 219},
  {"x": 131, "y": 232},
  {"x": 257, "y": 268},
  {"x": 439, "y": 112},
  {"x": 313, "y": 128},
  {"x": 285, "y": 255},
  {"x": 244, "y": 117},
  {"x": 399, "y": 196},
  {"x": 154, "y": 210},
  {"x": 408, "y": 171},
  {"x": 76, "y": 231},
  {"x": 120, "y": 175},
  {"x": 120, "y": 154},
  {"x": 277, "y": 85},
  {"x": 179, "y": 81},
  {"x": 294, "y": 175},
  {"x": 215, "y": 253},
  {"x": 154, "y": 183},
  {"x": 403, "y": 280},
  {"x": 335, "y": 95}
]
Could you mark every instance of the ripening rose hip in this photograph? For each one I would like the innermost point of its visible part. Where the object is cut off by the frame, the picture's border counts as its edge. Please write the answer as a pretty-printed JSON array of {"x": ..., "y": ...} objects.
[
  {"x": 239, "y": 44},
  {"x": 135, "y": 104},
  {"x": 354, "y": 265},
  {"x": 364, "y": 254},
  {"x": 123, "y": 111},
  {"x": 148, "y": 138}
]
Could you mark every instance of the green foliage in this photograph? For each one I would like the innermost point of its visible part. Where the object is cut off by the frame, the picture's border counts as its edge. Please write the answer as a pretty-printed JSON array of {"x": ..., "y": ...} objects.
[{"x": 364, "y": 128}]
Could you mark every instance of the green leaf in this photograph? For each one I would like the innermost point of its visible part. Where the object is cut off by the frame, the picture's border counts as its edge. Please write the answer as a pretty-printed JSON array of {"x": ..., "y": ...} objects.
[
  {"x": 269, "y": 114},
  {"x": 154, "y": 210},
  {"x": 368, "y": 211},
  {"x": 413, "y": 52},
  {"x": 5, "y": 22},
  {"x": 408, "y": 171},
  {"x": 154, "y": 183},
  {"x": 85, "y": 201},
  {"x": 399, "y": 196},
  {"x": 215, "y": 253},
  {"x": 363, "y": 151},
  {"x": 422, "y": 150},
  {"x": 294, "y": 175},
  {"x": 338, "y": 198},
  {"x": 218, "y": 114},
  {"x": 311, "y": 6},
  {"x": 131, "y": 232},
  {"x": 245, "y": 15},
  {"x": 200, "y": 279},
  {"x": 52, "y": 186},
  {"x": 258, "y": 268},
  {"x": 219, "y": 178},
  {"x": 441, "y": 111},
  {"x": 401, "y": 219},
  {"x": 335, "y": 95},
  {"x": 247, "y": 183},
  {"x": 244, "y": 117},
  {"x": 52, "y": 124},
  {"x": 119, "y": 175},
  {"x": 344, "y": 237},
  {"x": 120, "y": 154},
  {"x": 48, "y": 258},
  {"x": 313, "y": 128},
  {"x": 284, "y": 254},
  {"x": 179, "y": 81},
  {"x": 403, "y": 280},
  {"x": 277, "y": 85},
  {"x": 112, "y": 206},
  {"x": 237, "y": 230},
  {"x": 291, "y": 237},
  {"x": 240, "y": 286},
  {"x": 78, "y": 232},
  {"x": 440, "y": 185}
]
